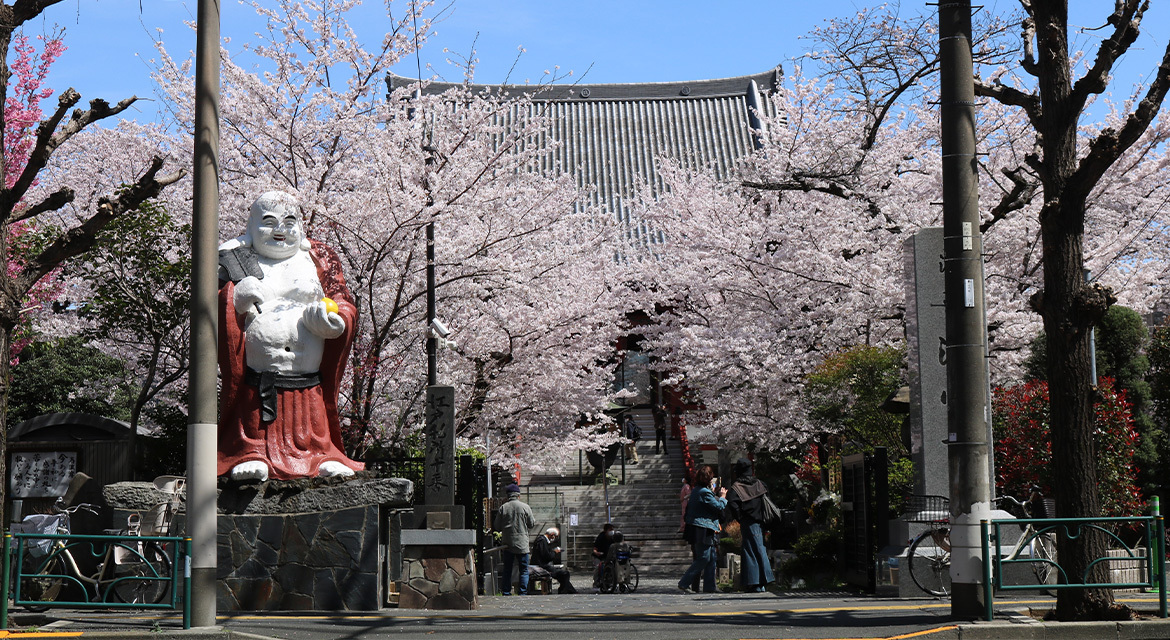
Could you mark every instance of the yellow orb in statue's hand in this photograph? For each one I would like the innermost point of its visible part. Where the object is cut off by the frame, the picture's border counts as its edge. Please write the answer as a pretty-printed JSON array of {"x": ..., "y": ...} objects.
[{"x": 330, "y": 305}]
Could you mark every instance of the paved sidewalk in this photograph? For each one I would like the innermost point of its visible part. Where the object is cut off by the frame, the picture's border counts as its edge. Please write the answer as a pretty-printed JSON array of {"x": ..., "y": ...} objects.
[{"x": 657, "y": 610}]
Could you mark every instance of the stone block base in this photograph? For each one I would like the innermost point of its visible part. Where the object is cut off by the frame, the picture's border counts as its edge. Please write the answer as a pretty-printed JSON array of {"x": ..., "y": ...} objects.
[
  {"x": 325, "y": 561},
  {"x": 438, "y": 577}
]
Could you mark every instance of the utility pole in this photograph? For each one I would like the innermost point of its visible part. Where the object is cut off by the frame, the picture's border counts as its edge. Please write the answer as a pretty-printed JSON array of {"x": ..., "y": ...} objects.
[
  {"x": 968, "y": 404},
  {"x": 202, "y": 434}
]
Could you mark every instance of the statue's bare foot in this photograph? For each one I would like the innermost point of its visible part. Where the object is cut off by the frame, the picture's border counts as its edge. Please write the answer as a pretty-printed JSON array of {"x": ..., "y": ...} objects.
[
  {"x": 253, "y": 470},
  {"x": 333, "y": 468}
]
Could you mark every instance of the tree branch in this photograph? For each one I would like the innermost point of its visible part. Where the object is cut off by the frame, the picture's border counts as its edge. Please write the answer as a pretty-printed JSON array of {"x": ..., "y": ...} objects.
[
  {"x": 1010, "y": 96},
  {"x": 49, "y": 137},
  {"x": 1108, "y": 146},
  {"x": 52, "y": 202},
  {"x": 1125, "y": 20},
  {"x": 81, "y": 238},
  {"x": 1016, "y": 198},
  {"x": 1028, "y": 63}
]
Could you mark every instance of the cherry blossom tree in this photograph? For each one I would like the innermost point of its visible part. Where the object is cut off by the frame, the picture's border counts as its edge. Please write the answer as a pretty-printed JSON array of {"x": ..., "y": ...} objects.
[
  {"x": 802, "y": 255},
  {"x": 22, "y": 111},
  {"x": 39, "y": 191},
  {"x": 525, "y": 275}
]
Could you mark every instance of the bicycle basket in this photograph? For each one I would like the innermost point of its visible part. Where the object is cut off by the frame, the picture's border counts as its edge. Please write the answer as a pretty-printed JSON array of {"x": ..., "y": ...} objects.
[
  {"x": 926, "y": 509},
  {"x": 43, "y": 524}
]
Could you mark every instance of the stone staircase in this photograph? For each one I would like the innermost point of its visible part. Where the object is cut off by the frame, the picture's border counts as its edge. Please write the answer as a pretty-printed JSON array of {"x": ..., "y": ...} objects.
[{"x": 645, "y": 509}]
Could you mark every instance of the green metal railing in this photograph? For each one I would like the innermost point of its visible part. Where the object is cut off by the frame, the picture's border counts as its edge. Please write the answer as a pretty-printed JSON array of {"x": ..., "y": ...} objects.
[
  {"x": 19, "y": 567},
  {"x": 1151, "y": 529}
]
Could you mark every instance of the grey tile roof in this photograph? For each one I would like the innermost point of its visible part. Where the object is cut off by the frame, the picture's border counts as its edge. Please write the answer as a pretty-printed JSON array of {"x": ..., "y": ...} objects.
[{"x": 612, "y": 135}]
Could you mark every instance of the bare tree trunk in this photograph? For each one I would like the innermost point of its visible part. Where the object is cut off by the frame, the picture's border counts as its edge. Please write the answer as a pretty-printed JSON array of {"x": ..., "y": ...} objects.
[
  {"x": 1071, "y": 394},
  {"x": 1066, "y": 319}
]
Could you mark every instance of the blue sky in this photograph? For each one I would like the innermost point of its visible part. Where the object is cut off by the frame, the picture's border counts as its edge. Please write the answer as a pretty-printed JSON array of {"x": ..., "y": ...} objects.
[{"x": 617, "y": 41}]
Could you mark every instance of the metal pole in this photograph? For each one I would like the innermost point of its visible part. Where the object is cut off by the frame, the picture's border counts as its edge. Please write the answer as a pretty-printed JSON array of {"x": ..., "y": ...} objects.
[
  {"x": 1092, "y": 340},
  {"x": 7, "y": 578},
  {"x": 432, "y": 340},
  {"x": 968, "y": 405},
  {"x": 202, "y": 402}
]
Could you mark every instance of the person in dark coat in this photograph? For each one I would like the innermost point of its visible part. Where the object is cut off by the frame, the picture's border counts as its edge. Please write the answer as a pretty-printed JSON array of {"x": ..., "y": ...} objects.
[
  {"x": 745, "y": 503},
  {"x": 544, "y": 555}
]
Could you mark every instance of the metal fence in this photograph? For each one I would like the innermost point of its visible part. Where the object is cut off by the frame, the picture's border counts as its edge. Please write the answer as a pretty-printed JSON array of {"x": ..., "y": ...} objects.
[
  {"x": 39, "y": 569},
  {"x": 1151, "y": 530}
]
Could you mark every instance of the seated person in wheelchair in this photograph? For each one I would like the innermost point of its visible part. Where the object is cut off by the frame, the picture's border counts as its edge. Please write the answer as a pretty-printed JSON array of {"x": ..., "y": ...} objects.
[
  {"x": 600, "y": 547},
  {"x": 544, "y": 555},
  {"x": 618, "y": 558}
]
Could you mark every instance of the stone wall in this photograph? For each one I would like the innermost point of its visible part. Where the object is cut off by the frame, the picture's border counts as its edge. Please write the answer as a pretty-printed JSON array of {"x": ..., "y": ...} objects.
[
  {"x": 310, "y": 544},
  {"x": 324, "y": 561},
  {"x": 438, "y": 577}
]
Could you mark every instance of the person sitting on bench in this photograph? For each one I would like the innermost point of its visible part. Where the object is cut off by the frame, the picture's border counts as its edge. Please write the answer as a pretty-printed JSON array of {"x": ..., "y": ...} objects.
[{"x": 544, "y": 555}]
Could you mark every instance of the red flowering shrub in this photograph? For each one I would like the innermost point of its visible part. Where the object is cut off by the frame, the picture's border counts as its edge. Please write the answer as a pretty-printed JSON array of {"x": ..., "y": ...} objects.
[{"x": 1023, "y": 444}]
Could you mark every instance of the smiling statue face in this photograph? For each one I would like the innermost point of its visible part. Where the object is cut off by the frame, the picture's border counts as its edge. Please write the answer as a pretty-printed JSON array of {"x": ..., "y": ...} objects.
[{"x": 275, "y": 226}]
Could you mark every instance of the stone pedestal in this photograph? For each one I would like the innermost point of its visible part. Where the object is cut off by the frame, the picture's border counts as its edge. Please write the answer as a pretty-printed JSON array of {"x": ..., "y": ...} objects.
[
  {"x": 438, "y": 570},
  {"x": 310, "y": 544}
]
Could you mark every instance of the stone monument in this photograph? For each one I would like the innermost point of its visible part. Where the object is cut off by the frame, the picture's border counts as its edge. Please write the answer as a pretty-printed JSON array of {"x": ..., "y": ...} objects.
[{"x": 438, "y": 553}]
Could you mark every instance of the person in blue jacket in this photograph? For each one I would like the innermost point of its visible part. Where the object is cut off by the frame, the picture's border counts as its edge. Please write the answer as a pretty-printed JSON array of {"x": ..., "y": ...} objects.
[{"x": 703, "y": 515}]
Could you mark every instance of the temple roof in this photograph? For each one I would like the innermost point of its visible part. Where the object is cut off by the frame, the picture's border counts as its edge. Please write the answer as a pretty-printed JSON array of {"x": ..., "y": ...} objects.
[{"x": 612, "y": 136}]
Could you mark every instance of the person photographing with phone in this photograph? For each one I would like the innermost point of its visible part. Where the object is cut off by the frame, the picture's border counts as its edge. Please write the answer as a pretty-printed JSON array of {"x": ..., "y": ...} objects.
[{"x": 708, "y": 500}]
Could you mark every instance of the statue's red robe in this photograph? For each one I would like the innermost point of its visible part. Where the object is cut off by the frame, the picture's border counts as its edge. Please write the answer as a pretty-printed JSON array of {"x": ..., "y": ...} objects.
[{"x": 306, "y": 431}]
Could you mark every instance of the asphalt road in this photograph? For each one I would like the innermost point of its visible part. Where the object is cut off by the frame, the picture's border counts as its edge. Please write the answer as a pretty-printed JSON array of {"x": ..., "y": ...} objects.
[{"x": 656, "y": 611}]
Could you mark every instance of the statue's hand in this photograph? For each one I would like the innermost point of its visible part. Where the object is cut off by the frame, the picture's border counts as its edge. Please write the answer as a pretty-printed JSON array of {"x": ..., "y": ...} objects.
[
  {"x": 322, "y": 322},
  {"x": 250, "y": 293}
]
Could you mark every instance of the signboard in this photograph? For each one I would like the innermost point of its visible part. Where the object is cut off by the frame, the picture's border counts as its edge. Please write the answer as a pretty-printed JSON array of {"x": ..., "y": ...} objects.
[
  {"x": 41, "y": 474},
  {"x": 573, "y": 519}
]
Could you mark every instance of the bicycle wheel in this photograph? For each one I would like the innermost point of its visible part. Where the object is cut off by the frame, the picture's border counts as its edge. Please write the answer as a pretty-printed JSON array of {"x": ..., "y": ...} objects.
[
  {"x": 608, "y": 578},
  {"x": 142, "y": 580},
  {"x": 45, "y": 583},
  {"x": 930, "y": 563},
  {"x": 1043, "y": 548},
  {"x": 631, "y": 583}
]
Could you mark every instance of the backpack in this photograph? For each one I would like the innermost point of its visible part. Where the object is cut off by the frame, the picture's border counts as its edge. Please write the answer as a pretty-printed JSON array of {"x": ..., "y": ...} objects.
[{"x": 633, "y": 431}]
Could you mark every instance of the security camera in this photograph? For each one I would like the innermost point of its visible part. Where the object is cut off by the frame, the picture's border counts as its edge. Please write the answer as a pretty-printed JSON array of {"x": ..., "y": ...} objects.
[{"x": 439, "y": 328}]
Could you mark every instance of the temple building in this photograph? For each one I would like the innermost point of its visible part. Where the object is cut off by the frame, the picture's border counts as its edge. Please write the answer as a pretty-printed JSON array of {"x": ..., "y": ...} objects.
[{"x": 612, "y": 138}]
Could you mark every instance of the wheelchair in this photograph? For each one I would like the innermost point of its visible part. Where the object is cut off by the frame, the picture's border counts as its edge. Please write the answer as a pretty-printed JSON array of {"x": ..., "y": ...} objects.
[{"x": 618, "y": 573}]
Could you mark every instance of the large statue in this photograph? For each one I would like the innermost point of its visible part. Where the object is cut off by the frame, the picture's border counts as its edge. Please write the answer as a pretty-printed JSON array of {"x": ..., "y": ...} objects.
[{"x": 286, "y": 322}]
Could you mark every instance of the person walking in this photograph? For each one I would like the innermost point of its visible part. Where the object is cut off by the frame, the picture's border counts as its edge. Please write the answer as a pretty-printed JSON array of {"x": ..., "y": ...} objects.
[
  {"x": 514, "y": 521},
  {"x": 703, "y": 514},
  {"x": 659, "y": 428},
  {"x": 684, "y": 496},
  {"x": 746, "y": 504},
  {"x": 544, "y": 555},
  {"x": 633, "y": 434}
]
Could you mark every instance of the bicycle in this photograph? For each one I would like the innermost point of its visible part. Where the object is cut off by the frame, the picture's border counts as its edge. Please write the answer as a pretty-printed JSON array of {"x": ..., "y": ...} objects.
[
  {"x": 127, "y": 572},
  {"x": 1041, "y": 545},
  {"x": 929, "y": 554}
]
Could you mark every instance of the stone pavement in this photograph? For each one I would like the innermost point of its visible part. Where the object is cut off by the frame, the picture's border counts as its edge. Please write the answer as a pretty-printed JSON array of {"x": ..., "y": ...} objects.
[{"x": 656, "y": 610}]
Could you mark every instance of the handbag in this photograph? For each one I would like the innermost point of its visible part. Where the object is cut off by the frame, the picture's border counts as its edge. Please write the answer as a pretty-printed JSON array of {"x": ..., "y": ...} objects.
[{"x": 772, "y": 514}]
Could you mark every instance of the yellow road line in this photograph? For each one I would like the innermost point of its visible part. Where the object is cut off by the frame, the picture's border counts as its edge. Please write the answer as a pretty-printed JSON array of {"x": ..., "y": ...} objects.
[
  {"x": 40, "y": 634},
  {"x": 916, "y": 634}
]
